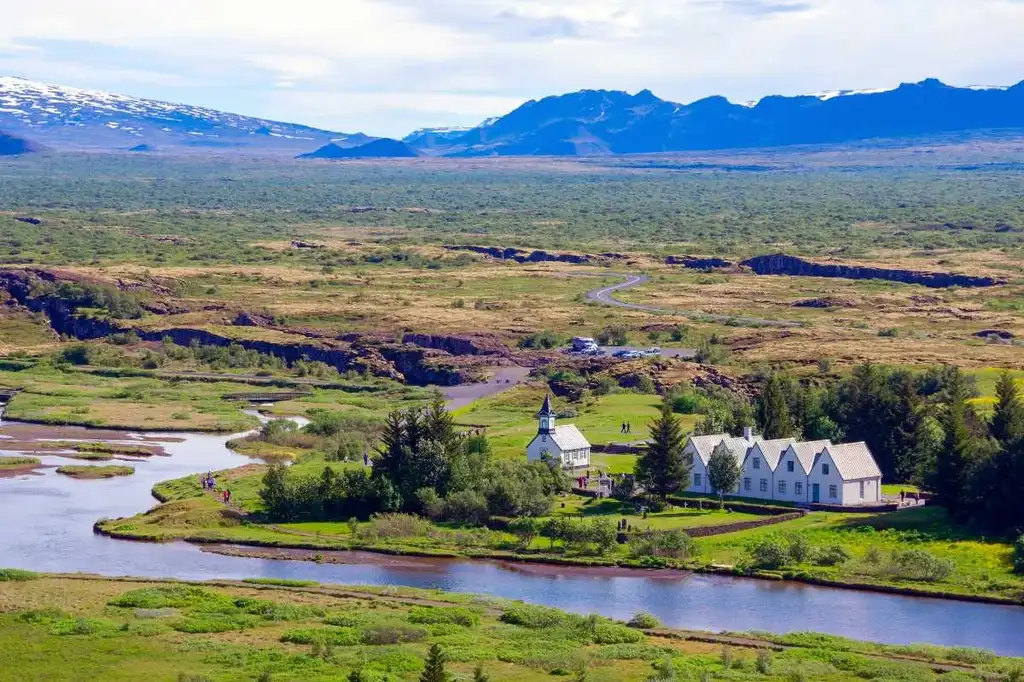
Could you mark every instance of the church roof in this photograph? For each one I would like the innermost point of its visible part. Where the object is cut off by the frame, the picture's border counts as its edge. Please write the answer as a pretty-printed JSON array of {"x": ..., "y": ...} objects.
[
  {"x": 545, "y": 410},
  {"x": 568, "y": 437}
]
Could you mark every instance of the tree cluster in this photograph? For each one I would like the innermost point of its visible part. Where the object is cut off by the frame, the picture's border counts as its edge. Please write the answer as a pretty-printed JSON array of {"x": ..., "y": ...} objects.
[
  {"x": 922, "y": 428},
  {"x": 424, "y": 465}
]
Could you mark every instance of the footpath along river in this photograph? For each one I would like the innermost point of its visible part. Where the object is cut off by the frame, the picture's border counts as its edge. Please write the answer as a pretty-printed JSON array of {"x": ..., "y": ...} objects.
[{"x": 47, "y": 526}]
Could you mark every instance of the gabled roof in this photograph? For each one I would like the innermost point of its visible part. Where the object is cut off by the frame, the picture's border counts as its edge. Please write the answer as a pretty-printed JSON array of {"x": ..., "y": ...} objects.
[
  {"x": 737, "y": 447},
  {"x": 805, "y": 452},
  {"x": 853, "y": 461},
  {"x": 772, "y": 450},
  {"x": 568, "y": 437},
  {"x": 705, "y": 445}
]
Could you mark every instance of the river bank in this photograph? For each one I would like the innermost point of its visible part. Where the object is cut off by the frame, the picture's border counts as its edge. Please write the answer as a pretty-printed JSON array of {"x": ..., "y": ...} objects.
[
  {"x": 223, "y": 629},
  {"x": 57, "y": 516}
]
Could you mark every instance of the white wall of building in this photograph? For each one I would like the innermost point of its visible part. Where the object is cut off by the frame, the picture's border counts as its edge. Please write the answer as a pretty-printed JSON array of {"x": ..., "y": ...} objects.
[
  {"x": 795, "y": 481},
  {"x": 756, "y": 476},
  {"x": 699, "y": 472}
]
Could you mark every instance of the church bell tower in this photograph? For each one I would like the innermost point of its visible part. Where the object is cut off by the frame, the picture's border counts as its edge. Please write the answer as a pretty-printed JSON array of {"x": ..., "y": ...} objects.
[{"x": 546, "y": 417}]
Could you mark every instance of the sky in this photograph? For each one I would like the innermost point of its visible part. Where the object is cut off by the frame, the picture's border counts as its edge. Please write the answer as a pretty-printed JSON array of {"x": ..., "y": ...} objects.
[{"x": 386, "y": 67}]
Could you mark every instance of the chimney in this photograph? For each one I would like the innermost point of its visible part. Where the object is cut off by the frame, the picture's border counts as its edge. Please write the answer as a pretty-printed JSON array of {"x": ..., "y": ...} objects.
[{"x": 748, "y": 433}]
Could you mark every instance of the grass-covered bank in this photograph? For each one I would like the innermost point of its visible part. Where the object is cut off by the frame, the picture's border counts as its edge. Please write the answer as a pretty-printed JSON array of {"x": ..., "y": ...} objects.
[
  {"x": 95, "y": 472},
  {"x": 70, "y": 628}
]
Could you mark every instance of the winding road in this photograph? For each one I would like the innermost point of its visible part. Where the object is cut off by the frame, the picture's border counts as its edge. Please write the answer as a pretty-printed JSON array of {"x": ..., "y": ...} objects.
[{"x": 604, "y": 296}]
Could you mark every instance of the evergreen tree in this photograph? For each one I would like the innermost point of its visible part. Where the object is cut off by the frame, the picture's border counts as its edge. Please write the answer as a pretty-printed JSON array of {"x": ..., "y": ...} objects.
[
  {"x": 274, "y": 493},
  {"x": 663, "y": 468},
  {"x": 773, "y": 413},
  {"x": 1007, "y": 423},
  {"x": 723, "y": 472},
  {"x": 954, "y": 462},
  {"x": 434, "y": 670}
]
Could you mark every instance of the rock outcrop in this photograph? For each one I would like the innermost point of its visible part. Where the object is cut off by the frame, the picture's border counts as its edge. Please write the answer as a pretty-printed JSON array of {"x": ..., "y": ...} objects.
[
  {"x": 782, "y": 264},
  {"x": 698, "y": 263},
  {"x": 521, "y": 256}
]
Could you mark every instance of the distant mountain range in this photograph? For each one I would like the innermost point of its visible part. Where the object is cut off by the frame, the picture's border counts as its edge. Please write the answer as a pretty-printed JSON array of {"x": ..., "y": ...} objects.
[
  {"x": 69, "y": 118},
  {"x": 612, "y": 122},
  {"x": 588, "y": 122}
]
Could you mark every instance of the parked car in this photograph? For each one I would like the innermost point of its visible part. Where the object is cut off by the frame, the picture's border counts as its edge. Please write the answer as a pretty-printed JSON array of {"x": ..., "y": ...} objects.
[
  {"x": 621, "y": 353},
  {"x": 653, "y": 351}
]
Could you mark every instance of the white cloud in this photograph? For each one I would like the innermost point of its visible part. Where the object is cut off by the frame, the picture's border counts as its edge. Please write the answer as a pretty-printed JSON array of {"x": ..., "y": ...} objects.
[{"x": 387, "y": 65}]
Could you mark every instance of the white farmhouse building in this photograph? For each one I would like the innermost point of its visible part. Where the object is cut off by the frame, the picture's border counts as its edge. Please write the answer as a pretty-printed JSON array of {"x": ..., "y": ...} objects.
[
  {"x": 565, "y": 444},
  {"x": 699, "y": 449},
  {"x": 758, "y": 469},
  {"x": 845, "y": 475},
  {"x": 794, "y": 467},
  {"x": 816, "y": 472}
]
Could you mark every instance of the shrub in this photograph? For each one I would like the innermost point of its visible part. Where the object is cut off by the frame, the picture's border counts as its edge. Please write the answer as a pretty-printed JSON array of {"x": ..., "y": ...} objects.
[
  {"x": 800, "y": 549},
  {"x": 466, "y": 507},
  {"x": 770, "y": 552},
  {"x": 833, "y": 555},
  {"x": 612, "y": 336},
  {"x": 644, "y": 621},
  {"x": 431, "y": 615},
  {"x": 675, "y": 544},
  {"x": 917, "y": 564},
  {"x": 546, "y": 339},
  {"x": 764, "y": 661},
  {"x": 391, "y": 634},
  {"x": 728, "y": 658},
  {"x": 333, "y": 636},
  {"x": 533, "y": 617},
  {"x": 612, "y": 633},
  {"x": 269, "y": 610},
  {"x": 1018, "y": 555}
]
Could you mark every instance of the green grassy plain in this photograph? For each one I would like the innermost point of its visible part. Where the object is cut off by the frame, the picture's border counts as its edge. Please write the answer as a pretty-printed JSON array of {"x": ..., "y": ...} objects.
[{"x": 67, "y": 629}]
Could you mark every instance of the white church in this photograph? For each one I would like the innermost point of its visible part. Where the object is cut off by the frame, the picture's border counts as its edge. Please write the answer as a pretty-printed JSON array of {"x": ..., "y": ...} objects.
[{"x": 565, "y": 443}]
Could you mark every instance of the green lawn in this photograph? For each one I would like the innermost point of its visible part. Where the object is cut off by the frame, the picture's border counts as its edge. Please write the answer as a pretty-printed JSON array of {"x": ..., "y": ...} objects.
[
  {"x": 511, "y": 421},
  {"x": 670, "y": 519}
]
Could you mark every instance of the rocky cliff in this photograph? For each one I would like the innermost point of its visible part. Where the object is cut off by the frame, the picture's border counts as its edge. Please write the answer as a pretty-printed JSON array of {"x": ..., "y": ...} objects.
[{"x": 782, "y": 264}]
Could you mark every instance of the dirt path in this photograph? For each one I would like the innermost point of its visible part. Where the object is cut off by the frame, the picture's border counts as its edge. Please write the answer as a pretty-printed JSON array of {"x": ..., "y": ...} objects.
[{"x": 605, "y": 296}]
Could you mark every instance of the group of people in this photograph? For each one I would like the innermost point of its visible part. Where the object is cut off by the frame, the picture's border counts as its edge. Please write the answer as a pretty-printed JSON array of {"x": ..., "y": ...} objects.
[
  {"x": 627, "y": 427},
  {"x": 209, "y": 482}
]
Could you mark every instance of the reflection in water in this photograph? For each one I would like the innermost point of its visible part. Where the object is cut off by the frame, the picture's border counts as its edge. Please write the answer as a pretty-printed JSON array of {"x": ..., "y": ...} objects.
[{"x": 47, "y": 526}]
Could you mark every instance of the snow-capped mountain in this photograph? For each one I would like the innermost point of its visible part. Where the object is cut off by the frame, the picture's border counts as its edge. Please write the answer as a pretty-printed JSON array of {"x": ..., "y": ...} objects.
[{"x": 71, "y": 118}]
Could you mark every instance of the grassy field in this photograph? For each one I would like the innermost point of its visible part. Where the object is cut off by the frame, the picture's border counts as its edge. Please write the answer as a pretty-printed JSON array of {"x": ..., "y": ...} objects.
[
  {"x": 965, "y": 562},
  {"x": 65, "y": 629},
  {"x": 55, "y": 395},
  {"x": 511, "y": 422}
]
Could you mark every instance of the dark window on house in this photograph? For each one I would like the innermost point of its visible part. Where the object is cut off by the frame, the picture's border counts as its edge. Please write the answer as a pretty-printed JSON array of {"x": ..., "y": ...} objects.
[{"x": 790, "y": 466}]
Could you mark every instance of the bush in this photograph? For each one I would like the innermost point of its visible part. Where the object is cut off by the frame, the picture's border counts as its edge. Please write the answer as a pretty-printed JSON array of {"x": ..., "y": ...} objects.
[
  {"x": 215, "y": 622},
  {"x": 612, "y": 336},
  {"x": 833, "y": 555},
  {"x": 612, "y": 633},
  {"x": 644, "y": 621},
  {"x": 770, "y": 553},
  {"x": 917, "y": 564},
  {"x": 433, "y": 615},
  {"x": 174, "y": 597},
  {"x": 546, "y": 339},
  {"x": 675, "y": 544},
  {"x": 764, "y": 661},
  {"x": 392, "y": 634},
  {"x": 1018, "y": 555},
  {"x": 533, "y": 617},
  {"x": 79, "y": 626},
  {"x": 800, "y": 549},
  {"x": 466, "y": 507}
]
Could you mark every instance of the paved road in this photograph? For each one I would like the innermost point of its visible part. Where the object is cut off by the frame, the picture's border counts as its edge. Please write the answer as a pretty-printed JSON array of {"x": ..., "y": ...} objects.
[
  {"x": 605, "y": 296},
  {"x": 504, "y": 378}
]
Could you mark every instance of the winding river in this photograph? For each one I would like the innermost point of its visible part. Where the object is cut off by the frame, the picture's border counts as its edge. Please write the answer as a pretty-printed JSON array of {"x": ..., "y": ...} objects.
[{"x": 47, "y": 526}]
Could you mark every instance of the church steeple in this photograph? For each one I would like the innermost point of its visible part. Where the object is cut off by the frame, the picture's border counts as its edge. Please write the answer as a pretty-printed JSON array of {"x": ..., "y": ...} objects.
[{"x": 546, "y": 416}]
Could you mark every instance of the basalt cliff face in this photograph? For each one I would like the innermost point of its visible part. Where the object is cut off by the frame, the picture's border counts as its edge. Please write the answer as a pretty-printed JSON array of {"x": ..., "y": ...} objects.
[
  {"x": 422, "y": 360},
  {"x": 782, "y": 264},
  {"x": 538, "y": 256}
]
